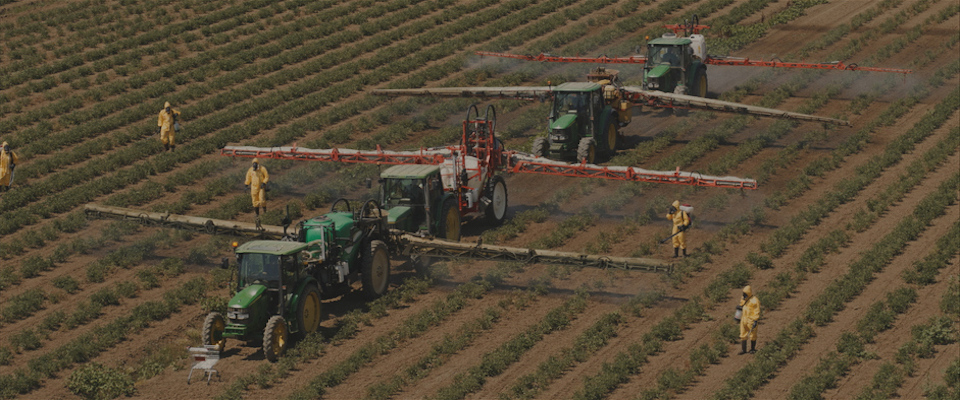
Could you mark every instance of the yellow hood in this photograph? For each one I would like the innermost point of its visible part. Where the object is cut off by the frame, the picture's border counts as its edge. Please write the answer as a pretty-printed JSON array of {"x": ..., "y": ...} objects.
[
  {"x": 166, "y": 105},
  {"x": 676, "y": 204},
  {"x": 748, "y": 291}
]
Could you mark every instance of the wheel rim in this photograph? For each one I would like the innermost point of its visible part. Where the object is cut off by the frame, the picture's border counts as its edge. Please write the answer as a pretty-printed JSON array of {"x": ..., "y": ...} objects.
[
  {"x": 311, "y": 312},
  {"x": 279, "y": 338},
  {"x": 379, "y": 278},
  {"x": 453, "y": 224},
  {"x": 499, "y": 201},
  {"x": 703, "y": 86},
  {"x": 612, "y": 136},
  {"x": 591, "y": 154},
  {"x": 216, "y": 333}
]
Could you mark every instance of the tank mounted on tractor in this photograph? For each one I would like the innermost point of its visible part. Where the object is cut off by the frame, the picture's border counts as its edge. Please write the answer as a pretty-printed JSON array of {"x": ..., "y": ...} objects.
[{"x": 280, "y": 282}]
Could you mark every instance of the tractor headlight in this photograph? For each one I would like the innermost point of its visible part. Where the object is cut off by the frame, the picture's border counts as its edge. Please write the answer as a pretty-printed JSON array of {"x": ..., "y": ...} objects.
[
  {"x": 653, "y": 84},
  {"x": 238, "y": 313},
  {"x": 559, "y": 135}
]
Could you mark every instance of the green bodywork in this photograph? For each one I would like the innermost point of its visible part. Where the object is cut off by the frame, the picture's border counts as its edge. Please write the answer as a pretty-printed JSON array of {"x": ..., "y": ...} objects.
[
  {"x": 671, "y": 64},
  {"x": 578, "y": 112},
  {"x": 413, "y": 196},
  {"x": 277, "y": 293}
]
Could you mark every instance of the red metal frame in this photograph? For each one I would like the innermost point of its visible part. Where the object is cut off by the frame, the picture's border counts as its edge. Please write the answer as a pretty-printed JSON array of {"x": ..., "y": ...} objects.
[
  {"x": 726, "y": 61},
  {"x": 584, "y": 170}
]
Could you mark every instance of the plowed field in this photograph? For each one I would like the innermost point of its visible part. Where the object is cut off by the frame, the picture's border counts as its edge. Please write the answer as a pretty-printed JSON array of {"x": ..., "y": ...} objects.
[{"x": 850, "y": 242}]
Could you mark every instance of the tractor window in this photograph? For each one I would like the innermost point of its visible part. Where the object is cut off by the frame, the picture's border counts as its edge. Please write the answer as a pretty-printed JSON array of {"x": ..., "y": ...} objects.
[
  {"x": 665, "y": 54},
  {"x": 262, "y": 268},
  {"x": 570, "y": 102},
  {"x": 404, "y": 191}
]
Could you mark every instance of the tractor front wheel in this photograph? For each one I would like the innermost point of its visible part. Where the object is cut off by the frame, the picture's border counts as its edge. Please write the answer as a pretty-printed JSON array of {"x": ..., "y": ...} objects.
[
  {"x": 450, "y": 221},
  {"x": 540, "y": 147},
  {"x": 376, "y": 270},
  {"x": 308, "y": 310},
  {"x": 497, "y": 210},
  {"x": 587, "y": 150},
  {"x": 275, "y": 338},
  {"x": 213, "y": 327}
]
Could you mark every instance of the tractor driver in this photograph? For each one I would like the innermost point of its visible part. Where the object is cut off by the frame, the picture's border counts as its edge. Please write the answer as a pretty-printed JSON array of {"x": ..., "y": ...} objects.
[
  {"x": 672, "y": 55},
  {"x": 572, "y": 102}
]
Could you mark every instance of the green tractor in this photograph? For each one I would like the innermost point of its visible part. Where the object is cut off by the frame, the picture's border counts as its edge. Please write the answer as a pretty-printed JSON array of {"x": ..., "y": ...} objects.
[
  {"x": 280, "y": 282},
  {"x": 584, "y": 122},
  {"x": 674, "y": 65},
  {"x": 416, "y": 202}
]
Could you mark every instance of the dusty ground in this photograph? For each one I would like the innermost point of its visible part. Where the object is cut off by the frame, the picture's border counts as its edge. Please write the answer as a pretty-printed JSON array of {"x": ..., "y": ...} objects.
[{"x": 609, "y": 290}]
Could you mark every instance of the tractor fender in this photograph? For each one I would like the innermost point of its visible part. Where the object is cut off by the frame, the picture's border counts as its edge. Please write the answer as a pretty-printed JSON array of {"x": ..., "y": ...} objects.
[{"x": 290, "y": 313}]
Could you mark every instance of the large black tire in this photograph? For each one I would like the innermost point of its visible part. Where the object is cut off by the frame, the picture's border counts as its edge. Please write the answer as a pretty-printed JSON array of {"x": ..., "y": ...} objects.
[
  {"x": 497, "y": 210},
  {"x": 449, "y": 221},
  {"x": 587, "y": 150},
  {"x": 375, "y": 272},
  {"x": 213, "y": 327},
  {"x": 700, "y": 83},
  {"x": 612, "y": 134},
  {"x": 275, "y": 338},
  {"x": 540, "y": 147},
  {"x": 309, "y": 311}
]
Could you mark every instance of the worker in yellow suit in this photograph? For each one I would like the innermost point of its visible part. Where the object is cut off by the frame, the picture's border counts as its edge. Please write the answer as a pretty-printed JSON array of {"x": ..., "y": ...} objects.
[
  {"x": 168, "y": 126},
  {"x": 749, "y": 320},
  {"x": 257, "y": 178},
  {"x": 8, "y": 161},
  {"x": 681, "y": 221}
]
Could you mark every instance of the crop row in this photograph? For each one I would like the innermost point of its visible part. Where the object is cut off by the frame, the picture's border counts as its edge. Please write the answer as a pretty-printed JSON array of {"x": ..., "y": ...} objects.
[
  {"x": 822, "y": 309},
  {"x": 787, "y": 234},
  {"x": 89, "y": 345},
  {"x": 240, "y": 53},
  {"x": 410, "y": 328},
  {"x": 223, "y": 137},
  {"x": 497, "y": 361},
  {"x": 878, "y": 318}
]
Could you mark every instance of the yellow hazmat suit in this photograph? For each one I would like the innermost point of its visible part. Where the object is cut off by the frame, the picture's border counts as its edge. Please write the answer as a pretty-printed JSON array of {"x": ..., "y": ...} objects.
[
  {"x": 751, "y": 314},
  {"x": 8, "y": 159},
  {"x": 681, "y": 221},
  {"x": 165, "y": 121},
  {"x": 257, "y": 178}
]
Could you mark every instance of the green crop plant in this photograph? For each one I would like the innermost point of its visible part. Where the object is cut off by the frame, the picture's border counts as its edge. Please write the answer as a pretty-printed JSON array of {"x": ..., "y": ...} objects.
[
  {"x": 950, "y": 303},
  {"x": 95, "y": 381},
  {"x": 67, "y": 283},
  {"x": 23, "y": 305}
]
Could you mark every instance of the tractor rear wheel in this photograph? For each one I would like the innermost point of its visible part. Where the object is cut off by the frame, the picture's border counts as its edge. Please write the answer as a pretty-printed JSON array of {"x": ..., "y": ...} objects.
[
  {"x": 308, "y": 310},
  {"x": 275, "y": 338},
  {"x": 587, "y": 150},
  {"x": 497, "y": 210},
  {"x": 449, "y": 221},
  {"x": 700, "y": 83},
  {"x": 375, "y": 272},
  {"x": 540, "y": 147},
  {"x": 612, "y": 136},
  {"x": 213, "y": 327}
]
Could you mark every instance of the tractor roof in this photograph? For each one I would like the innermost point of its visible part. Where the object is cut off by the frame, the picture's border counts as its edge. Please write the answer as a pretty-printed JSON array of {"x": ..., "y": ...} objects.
[
  {"x": 409, "y": 171},
  {"x": 670, "y": 41},
  {"x": 274, "y": 247},
  {"x": 577, "y": 87}
]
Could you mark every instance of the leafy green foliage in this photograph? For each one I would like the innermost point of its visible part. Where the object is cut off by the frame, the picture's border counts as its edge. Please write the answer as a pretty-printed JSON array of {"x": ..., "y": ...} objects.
[{"x": 95, "y": 381}]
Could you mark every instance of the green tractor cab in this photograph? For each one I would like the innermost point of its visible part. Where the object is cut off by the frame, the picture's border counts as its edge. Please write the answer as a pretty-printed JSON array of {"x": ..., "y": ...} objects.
[
  {"x": 280, "y": 282},
  {"x": 416, "y": 202},
  {"x": 583, "y": 123},
  {"x": 674, "y": 66}
]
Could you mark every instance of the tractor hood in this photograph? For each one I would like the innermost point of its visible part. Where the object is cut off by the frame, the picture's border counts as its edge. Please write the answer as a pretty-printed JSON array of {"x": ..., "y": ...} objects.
[
  {"x": 397, "y": 214},
  {"x": 246, "y": 297},
  {"x": 658, "y": 71},
  {"x": 564, "y": 122}
]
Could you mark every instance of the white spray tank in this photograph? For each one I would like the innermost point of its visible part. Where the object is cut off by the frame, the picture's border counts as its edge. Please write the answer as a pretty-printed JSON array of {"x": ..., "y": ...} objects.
[{"x": 699, "y": 46}]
